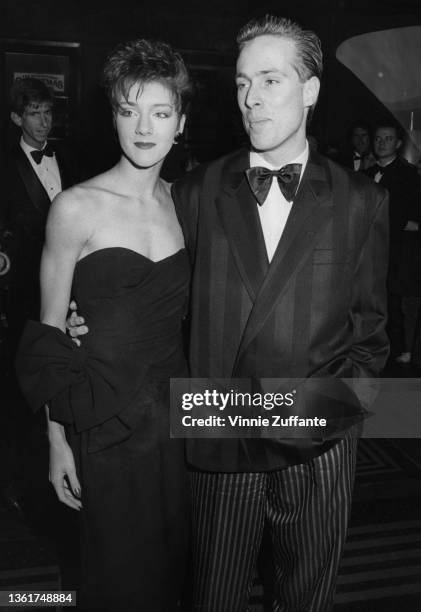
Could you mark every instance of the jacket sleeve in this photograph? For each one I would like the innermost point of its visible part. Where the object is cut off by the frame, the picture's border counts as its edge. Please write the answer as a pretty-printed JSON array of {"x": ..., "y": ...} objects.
[{"x": 186, "y": 195}]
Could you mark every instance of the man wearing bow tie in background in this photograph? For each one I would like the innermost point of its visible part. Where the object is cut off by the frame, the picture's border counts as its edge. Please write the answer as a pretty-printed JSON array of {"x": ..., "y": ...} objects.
[
  {"x": 34, "y": 174},
  {"x": 289, "y": 259},
  {"x": 360, "y": 155},
  {"x": 400, "y": 179}
]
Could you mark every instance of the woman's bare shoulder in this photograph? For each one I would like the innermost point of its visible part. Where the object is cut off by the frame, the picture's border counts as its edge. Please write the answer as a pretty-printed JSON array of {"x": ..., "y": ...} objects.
[{"x": 86, "y": 196}]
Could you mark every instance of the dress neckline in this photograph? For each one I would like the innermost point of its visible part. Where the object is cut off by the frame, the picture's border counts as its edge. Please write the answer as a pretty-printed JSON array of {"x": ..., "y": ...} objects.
[{"x": 132, "y": 251}]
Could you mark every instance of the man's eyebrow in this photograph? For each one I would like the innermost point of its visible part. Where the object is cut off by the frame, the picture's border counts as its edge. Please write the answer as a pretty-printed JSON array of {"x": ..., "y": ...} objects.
[{"x": 241, "y": 75}]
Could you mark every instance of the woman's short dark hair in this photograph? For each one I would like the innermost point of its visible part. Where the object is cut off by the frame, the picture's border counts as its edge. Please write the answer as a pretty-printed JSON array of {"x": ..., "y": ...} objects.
[
  {"x": 25, "y": 92},
  {"x": 143, "y": 61}
]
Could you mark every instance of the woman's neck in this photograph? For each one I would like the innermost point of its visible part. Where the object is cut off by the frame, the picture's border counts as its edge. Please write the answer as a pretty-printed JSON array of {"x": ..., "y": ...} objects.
[{"x": 136, "y": 180}]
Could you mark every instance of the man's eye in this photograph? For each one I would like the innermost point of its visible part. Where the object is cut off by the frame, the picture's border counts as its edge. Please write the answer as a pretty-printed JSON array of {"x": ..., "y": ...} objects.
[
  {"x": 241, "y": 86},
  {"x": 270, "y": 81}
]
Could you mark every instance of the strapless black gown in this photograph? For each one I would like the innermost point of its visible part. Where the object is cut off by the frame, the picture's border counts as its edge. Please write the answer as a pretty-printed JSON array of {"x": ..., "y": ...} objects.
[{"x": 112, "y": 396}]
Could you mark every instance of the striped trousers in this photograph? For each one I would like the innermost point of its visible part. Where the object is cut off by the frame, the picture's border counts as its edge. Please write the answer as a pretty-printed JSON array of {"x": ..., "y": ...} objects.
[{"x": 306, "y": 507}]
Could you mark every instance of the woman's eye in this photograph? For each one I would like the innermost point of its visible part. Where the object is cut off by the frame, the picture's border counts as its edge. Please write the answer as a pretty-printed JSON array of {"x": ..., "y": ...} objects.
[
  {"x": 125, "y": 112},
  {"x": 162, "y": 115}
]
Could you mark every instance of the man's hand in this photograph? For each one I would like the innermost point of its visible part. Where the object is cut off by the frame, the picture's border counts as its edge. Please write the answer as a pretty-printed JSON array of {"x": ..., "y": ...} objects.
[{"x": 75, "y": 324}]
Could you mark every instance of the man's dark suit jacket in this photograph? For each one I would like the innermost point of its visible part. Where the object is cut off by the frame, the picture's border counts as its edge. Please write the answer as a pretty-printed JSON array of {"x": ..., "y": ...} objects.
[
  {"x": 318, "y": 309},
  {"x": 23, "y": 210},
  {"x": 401, "y": 181}
]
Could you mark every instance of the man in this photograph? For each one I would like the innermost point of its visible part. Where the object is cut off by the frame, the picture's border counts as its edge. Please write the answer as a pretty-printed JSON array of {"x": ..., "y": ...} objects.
[
  {"x": 287, "y": 282},
  {"x": 34, "y": 174},
  {"x": 400, "y": 179},
  {"x": 361, "y": 156}
]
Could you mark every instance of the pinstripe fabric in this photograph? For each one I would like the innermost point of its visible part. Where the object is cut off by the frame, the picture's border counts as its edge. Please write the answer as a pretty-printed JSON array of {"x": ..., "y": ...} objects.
[{"x": 307, "y": 508}]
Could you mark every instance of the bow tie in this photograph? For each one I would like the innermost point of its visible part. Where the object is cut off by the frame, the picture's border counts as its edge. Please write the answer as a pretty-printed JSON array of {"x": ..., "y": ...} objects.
[
  {"x": 37, "y": 155},
  {"x": 260, "y": 181}
]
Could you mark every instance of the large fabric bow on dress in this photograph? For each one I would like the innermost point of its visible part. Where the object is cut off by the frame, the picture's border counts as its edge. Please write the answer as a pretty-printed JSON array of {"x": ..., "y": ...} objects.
[{"x": 91, "y": 392}]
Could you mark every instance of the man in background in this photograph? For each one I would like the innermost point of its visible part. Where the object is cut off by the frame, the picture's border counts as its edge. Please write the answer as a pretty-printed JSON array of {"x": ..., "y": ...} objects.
[
  {"x": 360, "y": 156},
  {"x": 401, "y": 180},
  {"x": 35, "y": 172}
]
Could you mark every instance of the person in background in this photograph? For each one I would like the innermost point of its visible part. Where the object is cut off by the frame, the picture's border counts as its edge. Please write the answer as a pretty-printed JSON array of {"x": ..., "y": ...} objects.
[
  {"x": 401, "y": 180},
  {"x": 360, "y": 155},
  {"x": 36, "y": 170}
]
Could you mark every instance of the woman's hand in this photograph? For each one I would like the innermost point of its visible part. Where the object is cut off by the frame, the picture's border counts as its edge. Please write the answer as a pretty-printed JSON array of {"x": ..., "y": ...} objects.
[{"x": 63, "y": 474}]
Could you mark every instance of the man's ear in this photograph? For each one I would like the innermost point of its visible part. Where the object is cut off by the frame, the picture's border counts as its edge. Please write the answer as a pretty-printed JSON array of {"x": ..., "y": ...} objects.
[
  {"x": 399, "y": 143},
  {"x": 17, "y": 119},
  {"x": 311, "y": 90}
]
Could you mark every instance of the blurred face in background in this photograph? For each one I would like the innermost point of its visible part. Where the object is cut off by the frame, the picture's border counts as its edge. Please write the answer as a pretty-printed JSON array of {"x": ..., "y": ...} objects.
[
  {"x": 36, "y": 122},
  {"x": 360, "y": 140},
  {"x": 386, "y": 144}
]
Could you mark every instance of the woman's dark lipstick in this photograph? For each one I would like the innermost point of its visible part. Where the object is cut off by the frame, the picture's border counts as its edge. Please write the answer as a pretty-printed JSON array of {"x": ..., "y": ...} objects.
[{"x": 144, "y": 145}]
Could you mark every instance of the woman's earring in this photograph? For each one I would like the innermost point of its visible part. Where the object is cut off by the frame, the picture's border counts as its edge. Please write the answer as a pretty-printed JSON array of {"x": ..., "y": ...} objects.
[{"x": 177, "y": 138}]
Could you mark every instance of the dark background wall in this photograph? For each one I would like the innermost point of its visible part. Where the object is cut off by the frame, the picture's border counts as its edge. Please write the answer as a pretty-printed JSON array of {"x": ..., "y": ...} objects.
[{"x": 205, "y": 32}]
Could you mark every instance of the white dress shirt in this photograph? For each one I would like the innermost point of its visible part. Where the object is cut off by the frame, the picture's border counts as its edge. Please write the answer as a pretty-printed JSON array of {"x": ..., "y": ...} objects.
[
  {"x": 47, "y": 171},
  {"x": 379, "y": 174},
  {"x": 275, "y": 210},
  {"x": 357, "y": 162}
]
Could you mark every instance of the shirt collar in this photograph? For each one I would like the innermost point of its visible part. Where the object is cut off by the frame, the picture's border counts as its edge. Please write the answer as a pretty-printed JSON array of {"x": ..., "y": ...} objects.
[
  {"x": 257, "y": 160},
  {"x": 27, "y": 148}
]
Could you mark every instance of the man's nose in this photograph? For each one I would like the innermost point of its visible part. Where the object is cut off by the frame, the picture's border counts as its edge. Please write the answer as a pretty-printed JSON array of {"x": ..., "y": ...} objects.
[
  {"x": 45, "y": 120},
  {"x": 252, "y": 97}
]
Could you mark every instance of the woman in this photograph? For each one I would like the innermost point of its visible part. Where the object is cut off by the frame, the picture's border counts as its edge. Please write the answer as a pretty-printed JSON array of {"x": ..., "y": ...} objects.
[{"x": 114, "y": 243}]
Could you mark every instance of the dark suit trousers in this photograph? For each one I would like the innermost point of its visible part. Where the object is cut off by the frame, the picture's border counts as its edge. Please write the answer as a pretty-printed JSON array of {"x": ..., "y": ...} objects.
[{"x": 306, "y": 507}]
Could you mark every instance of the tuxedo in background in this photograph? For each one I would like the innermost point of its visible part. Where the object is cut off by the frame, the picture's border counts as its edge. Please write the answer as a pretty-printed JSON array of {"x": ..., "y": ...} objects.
[
  {"x": 24, "y": 209},
  {"x": 24, "y": 212},
  {"x": 359, "y": 156},
  {"x": 317, "y": 309},
  {"x": 357, "y": 162},
  {"x": 401, "y": 181}
]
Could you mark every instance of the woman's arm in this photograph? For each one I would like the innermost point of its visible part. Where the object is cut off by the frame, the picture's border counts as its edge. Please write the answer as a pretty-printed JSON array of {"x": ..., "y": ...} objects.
[{"x": 66, "y": 234}]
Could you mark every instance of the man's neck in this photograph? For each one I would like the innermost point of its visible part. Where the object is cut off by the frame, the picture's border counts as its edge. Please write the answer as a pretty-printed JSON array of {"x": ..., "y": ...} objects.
[
  {"x": 33, "y": 144},
  {"x": 386, "y": 161},
  {"x": 278, "y": 158}
]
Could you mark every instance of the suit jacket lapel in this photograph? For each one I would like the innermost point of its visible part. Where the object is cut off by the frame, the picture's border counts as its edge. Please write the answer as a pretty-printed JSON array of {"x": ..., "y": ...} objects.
[
  {"x": 33, "y": 185},
  {"x": 310, "y": 213},
  {"x": 237, "y": 209},
  {"x": 64, "y": 179}
]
